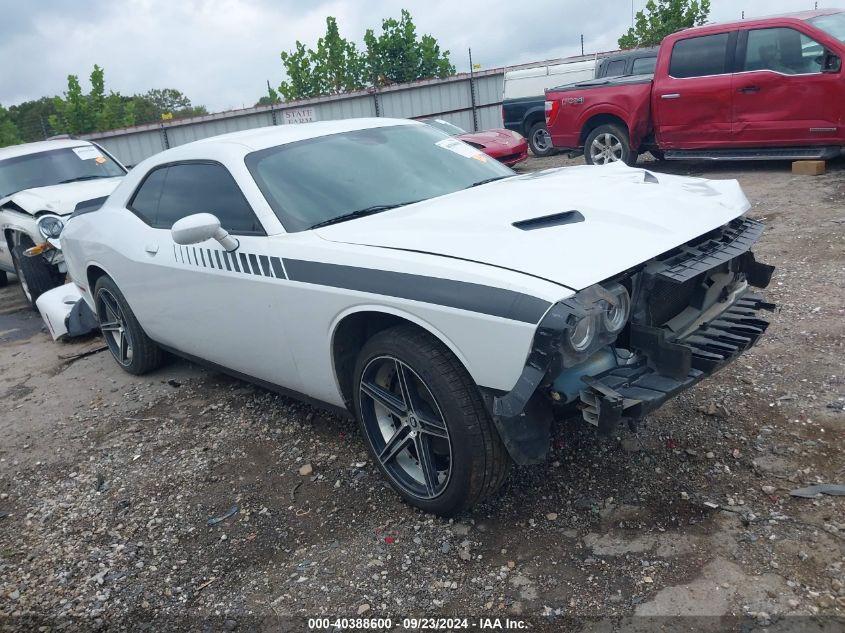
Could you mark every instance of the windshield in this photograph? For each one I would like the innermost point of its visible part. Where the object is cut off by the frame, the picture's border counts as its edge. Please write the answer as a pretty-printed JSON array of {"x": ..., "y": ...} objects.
[
  {"x": 831, "y": 24},
  {"x": 313, "y": 181},
  {"x": 54, "y": 167},
  {"x": 444, "y": 126}
]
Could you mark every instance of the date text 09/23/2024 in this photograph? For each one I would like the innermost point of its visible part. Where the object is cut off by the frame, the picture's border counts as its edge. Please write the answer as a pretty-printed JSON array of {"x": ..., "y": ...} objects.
[{"x": 416, "y": 624}]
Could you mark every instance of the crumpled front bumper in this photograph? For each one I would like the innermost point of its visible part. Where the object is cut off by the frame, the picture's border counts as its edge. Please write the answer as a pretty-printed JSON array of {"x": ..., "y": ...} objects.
[{"x": 668, "y": 368}]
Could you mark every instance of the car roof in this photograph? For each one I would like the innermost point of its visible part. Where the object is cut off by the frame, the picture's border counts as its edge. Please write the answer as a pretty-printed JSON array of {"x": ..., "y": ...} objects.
[
  {"x": 13, "y": 151},
  {"x": 801, "y": 16},
  {"x": 273, "y": 135}
]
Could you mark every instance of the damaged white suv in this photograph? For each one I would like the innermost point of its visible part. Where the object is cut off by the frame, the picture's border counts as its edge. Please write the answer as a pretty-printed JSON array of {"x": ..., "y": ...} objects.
[
  {"x": 40, "y": 185},
  {"x": 383, "y": 268}
]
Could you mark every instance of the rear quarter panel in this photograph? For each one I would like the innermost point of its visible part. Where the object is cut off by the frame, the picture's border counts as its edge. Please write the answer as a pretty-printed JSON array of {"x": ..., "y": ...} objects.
[{"x": 631, "y": 103}]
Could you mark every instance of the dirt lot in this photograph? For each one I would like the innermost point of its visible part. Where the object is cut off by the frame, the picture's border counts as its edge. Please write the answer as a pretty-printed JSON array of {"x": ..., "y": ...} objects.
[{"x": 108, "y": 482}]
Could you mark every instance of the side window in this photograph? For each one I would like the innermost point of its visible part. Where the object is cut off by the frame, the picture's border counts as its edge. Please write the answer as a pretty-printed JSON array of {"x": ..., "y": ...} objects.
[
  {"x": 782, "y": 50},
  {"x": 205, "y": 188},
  {"x": 615, "y": 68},
  {"x": 643, "y": 66},
  {"x": 700, "y": 56},
  {"x": 145, "y": 201}
]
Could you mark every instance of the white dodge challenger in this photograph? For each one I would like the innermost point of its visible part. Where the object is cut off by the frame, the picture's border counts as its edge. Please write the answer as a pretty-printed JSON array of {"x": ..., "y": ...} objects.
[{"x": 381, "y": 267}]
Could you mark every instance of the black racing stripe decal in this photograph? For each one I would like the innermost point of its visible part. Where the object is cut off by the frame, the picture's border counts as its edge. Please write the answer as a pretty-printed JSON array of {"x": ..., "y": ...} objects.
[
  {"x": 277, "y": 267},
  {"x": 217, "y": 255},
  {"x": 234, "y": 257},
  {"x": 244, "y": 263},
  {"x": 265, "y": 265},
  {"x": 462, "y": 295},
  {"x": 210, "y": 258},
  {"x": 202, "y": 255},
  {"x": 253, "y": 260}
]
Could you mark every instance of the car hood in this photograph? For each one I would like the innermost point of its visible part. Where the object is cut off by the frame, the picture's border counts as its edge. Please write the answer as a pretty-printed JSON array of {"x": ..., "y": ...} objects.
[
  {"x": 629, "y": 216},
  {"x": 490, "y": 137},
  {"x": 61, "y": 199}
]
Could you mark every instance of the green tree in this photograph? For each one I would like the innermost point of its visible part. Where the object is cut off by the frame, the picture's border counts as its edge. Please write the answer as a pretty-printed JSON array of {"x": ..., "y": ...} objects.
[
  {"x": 97, "y": 111},
  {"x": 32, "y": 118},
  {"x": 397, "y": 55},
  {"x": 662, "y": 17},
  {"x": 334, "y": 67},
  {"x": 8, "y": 131},
  {"x": 150, "y": 106}
]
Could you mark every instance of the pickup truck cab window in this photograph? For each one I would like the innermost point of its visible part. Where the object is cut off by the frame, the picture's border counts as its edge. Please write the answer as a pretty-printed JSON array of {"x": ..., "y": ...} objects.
[
  {"x": 700, "y": 56},
  {"x": 782, "y": 50},
  {"x": 833, "y": 24},
  {"x": 615, "y": 68},
  {"x": 643, "y": 65}
]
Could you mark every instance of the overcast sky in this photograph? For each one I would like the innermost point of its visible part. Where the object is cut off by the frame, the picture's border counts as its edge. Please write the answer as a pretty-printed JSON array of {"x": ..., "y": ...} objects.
[{"x": 221, "y": 52}]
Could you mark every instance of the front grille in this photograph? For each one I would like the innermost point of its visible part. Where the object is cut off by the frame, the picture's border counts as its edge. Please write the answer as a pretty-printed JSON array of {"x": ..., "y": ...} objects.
[{"x": 668, "y": 299}]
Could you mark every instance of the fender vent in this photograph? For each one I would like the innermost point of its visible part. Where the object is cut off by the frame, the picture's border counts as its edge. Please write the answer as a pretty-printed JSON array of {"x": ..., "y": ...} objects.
[{"x": 544, "y": 222}]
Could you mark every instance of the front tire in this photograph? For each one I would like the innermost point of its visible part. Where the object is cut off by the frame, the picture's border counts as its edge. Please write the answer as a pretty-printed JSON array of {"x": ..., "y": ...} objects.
[
  {"x": 35, "y": 275},
  {"x": 424, "y": 422},
  {"x": 609, "y": 144},
  {"x": 539, "y": 140},
  {"x": 129, "y": 345}
]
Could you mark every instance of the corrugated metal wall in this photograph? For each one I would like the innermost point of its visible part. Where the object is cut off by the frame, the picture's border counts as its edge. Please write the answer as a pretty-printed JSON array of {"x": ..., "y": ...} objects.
[{"x": 450, "y": 99}]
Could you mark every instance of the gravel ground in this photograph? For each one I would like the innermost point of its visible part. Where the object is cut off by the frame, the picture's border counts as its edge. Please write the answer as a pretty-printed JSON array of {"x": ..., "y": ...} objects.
[{"x": 113, "y": 488}]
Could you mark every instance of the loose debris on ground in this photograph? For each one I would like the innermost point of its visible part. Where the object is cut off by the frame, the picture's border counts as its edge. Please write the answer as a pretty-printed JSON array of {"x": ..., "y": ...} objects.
[{"x": 186, "y": 497}]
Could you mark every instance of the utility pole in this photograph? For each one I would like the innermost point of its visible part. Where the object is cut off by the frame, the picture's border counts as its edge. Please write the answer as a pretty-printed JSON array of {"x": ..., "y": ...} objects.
[
  {"x": 582, "y": 44},
  {"x": 472, "y": 93},
  {"x": 632, "y": 13}
]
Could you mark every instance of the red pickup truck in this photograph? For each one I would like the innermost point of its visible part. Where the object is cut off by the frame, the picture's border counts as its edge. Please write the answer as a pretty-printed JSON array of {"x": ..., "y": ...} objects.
[{"x": 770, "y": 88}]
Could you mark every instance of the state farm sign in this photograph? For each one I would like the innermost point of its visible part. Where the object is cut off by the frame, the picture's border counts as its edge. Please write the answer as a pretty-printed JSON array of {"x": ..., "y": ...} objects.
[{"x": 300, "y": 115}]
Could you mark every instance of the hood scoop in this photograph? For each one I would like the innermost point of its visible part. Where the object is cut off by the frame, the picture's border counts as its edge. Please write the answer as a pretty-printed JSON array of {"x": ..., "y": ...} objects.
[{"x": 546, "y": 221}]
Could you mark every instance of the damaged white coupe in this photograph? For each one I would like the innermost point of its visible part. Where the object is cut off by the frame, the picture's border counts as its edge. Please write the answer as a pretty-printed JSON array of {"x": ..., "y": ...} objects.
[
  {"x": 41, "y": 184},
  {"x": 455, "y": 308}
]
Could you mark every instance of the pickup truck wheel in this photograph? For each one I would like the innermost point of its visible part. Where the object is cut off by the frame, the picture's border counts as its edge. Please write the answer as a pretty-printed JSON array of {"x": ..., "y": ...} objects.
[
  {"x": 425, "y": 424},
  {"x": 35, "y": 275},
  {"x": 4, "y": 279},
  {"x": 128, "y": 343},
  {"x": 608, "y": 144},
  {"x": 539, "y": 140}
]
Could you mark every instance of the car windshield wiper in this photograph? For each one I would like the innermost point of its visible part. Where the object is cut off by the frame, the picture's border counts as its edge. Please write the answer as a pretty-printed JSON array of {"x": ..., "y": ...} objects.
[
  {"x": 360, "y": 213},
  {"x": 80, "y": 178},
  {"x": 488, "y": 180}
]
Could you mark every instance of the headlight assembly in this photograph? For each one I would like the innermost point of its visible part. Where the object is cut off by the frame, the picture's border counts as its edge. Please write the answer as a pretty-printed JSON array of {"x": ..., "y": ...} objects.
[
  {"x": 592, "y": 319},
  {"x": 50, "y": 226},
  {"x": 616, "y": 313},
  {"x": 582, "y": 334}
]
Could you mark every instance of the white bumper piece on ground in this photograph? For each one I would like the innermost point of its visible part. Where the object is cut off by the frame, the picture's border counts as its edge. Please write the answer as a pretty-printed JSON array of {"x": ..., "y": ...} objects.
[{"x": 54, "y": 306}]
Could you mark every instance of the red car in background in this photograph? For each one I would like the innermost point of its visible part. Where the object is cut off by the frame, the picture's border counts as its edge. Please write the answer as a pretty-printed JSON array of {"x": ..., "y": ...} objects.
[
  {"x": 506, "y": 146},
  {"x": 764, "y": 89}
]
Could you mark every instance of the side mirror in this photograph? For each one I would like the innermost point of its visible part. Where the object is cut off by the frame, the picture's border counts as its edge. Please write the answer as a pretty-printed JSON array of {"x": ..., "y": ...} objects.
[
  {"x": 200, "y": 227},
  {"x": 831, "y": 63}
]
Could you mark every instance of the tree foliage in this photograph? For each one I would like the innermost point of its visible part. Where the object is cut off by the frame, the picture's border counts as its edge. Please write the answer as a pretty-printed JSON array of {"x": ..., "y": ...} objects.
[
  {"x": 97, "y": 111},
  {"x": 8, "y": 131},
  {"x": 394, "y": 55},
  {"x": 157, "y": 103},
  {"x": 663, "y": 17}
]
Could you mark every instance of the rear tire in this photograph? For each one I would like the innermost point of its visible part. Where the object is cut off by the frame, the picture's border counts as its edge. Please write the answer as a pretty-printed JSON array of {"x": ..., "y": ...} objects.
[
  {"x": 129, "y": 345},
  {"x": 539, "y": 140},
  {"x": 4, "y": 279},
  {"x": 35, "y": 275},
  {"x": 607, "y": 144},
  {"x": 447, "y": 422}
]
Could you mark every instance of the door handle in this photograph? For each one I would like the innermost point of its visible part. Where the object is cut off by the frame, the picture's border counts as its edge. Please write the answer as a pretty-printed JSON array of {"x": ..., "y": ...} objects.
[
  {"x": 152, "y": 249},
  {"x": 672, "y": 95},
  {"x": 749, "y": 89}
]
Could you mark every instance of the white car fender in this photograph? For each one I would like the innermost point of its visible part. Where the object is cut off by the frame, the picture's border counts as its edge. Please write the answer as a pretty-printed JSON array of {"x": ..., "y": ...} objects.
[{"x": 402, "y": 314}]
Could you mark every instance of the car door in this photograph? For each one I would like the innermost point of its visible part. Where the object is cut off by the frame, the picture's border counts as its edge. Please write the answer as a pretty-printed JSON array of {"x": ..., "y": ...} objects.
[
  {"x": 218, "y": 306},
  {"x": 781, "y": 95},
  {"x": 693, "y": 101}
]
